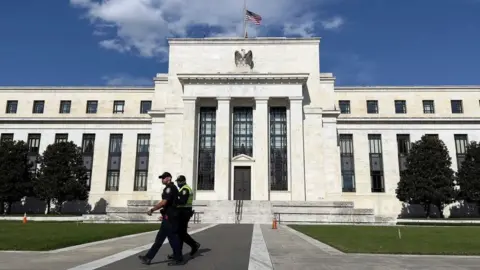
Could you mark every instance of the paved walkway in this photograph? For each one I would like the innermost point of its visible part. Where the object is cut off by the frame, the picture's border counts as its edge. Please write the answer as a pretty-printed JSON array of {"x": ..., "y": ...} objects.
[
  {"x": 236, "y": 247},
  {"x": 68, "y": 259}
]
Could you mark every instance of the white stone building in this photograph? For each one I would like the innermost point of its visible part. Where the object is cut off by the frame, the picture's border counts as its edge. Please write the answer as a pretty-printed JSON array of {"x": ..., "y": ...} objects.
[{"x": 275, "y": 130}]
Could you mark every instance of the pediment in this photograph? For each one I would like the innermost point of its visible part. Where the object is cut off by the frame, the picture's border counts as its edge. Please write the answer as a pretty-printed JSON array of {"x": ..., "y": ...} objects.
[{"x": 243, "y": 157}]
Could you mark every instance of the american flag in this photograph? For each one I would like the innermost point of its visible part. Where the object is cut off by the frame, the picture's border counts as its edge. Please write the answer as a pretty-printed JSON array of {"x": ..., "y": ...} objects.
[{"x": 253, "y": 17}]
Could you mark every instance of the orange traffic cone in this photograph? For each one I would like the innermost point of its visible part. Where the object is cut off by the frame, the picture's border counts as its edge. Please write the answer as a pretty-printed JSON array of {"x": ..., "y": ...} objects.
[
  {"x": 24, "y": 218},
  {"x": 274, "y": 224}
]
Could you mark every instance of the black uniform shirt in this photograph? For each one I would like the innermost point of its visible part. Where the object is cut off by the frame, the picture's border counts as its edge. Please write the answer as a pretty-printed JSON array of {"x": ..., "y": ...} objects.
[{"x": 170, "y": 194}]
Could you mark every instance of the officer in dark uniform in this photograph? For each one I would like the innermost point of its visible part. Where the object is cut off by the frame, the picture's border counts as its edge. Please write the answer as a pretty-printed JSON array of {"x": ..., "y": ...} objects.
[
  {"x": 185, "y": 211},
  {"x": 170, "y": 222}
]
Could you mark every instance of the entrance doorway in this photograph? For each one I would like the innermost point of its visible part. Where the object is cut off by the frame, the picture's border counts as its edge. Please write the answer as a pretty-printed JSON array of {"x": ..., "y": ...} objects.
[{"x": 242, "y": 181}]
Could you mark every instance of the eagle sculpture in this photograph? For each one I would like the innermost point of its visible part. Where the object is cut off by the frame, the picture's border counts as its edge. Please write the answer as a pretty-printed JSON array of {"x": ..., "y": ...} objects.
[{"x": 244, "y": 59}]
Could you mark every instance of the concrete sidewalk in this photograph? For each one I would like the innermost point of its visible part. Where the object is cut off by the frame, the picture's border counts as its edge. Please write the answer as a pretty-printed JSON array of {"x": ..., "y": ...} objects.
[
  {"x": 289, "y": 250},
  {"x": 71, "y": 258}
]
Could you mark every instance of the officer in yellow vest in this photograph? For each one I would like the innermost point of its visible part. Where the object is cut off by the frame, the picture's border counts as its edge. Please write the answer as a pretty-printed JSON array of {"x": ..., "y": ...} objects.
[{"x": 184, "y": 207}]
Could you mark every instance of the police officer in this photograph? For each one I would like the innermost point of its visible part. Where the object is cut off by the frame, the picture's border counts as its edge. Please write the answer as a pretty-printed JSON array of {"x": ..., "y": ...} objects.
[
  {"x": 170, "y": 222},
  {"x": 185, "y": 211}
]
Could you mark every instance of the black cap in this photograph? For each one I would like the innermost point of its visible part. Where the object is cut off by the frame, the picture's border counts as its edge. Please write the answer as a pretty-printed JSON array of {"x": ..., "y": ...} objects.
[
  {"x": 165, "y": 175},
  {"x": 181, "y": 178}
]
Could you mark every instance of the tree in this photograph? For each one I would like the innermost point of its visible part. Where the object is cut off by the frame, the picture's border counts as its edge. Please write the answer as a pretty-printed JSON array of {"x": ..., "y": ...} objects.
[
  {"x": 468, "y": 176},
  {"x": 428, "y": 178},
  {"x": 15, "y": 177},
  {"x": 62, "y": 176}
]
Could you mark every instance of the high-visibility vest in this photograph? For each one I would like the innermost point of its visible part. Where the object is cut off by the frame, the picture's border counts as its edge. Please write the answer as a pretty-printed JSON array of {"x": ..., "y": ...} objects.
[{"x": 189, "y": 202}]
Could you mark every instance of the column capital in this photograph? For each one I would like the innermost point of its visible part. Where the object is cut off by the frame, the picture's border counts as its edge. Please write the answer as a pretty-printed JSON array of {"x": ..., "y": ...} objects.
[
  {"x": 262, "y": 99},
  {"x": 295, "y": 99},
  {"x": 189, "y": 99},
  {"x": 223, "y": 98}
]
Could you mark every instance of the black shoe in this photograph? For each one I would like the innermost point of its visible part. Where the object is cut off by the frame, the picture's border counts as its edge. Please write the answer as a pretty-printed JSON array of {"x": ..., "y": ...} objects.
[
  {"x": 170, "y": 257},
  {"x": 177, "y": 262},
  {"x": 144, "y": 259},
  {"x": 195, "y": 249}
]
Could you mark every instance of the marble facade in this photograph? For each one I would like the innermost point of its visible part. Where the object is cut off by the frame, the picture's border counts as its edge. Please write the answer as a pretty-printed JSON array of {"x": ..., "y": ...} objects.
[{"x": 285, "y": 74}]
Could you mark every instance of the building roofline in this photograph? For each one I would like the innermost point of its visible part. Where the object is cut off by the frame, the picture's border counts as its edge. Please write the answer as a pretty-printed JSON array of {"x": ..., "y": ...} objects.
[
  {"x": 239, "y": 40},
  {"x": 78, "y": 88},
  {"x": 408, "y": 88}
]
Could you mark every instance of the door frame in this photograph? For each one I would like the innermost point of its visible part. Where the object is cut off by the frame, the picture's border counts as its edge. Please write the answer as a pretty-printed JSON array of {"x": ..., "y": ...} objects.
[{"x": 242, "y": 161}]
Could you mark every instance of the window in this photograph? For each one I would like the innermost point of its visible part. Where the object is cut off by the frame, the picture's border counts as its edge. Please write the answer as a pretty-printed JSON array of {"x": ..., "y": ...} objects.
[
  {"x": 88, "y": 147},
  {"x": 457, "y": 106},
  {"x": 344, "y": 106},
  {"x": 65, "y": 106},
  {"x": 347, "y": 164},
  {"x": 114, "y": 162},
  {"x": 376, "y": 162},
  {"x": 400, "y": 106},
  {"x": 403, "y": 145},
  {"x": 278, "y": 149},
  {"x": 145, "y": 106},
  {"x": 141, "y": 167},
  {"x": 61, "y": 137},
  {"x": 6, "y": 137},
  {"x": 118, "y": 106},
  {"x": 372, "y": 106},
  {"x": 242, "y": 131},
  {"x": 92, "y": 106},
  {"x": 33, "y": 142},
  {"x": 38, "y": 106},
  {"x": 461, "y": 143},
  {"x": 428, "y": 106},
  {"x": 12, "y": 106},
  {"x": 206, "y": 149}
]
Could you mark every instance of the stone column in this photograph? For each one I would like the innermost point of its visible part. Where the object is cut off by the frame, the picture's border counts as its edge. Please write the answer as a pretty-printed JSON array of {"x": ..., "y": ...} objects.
[
  {"x": 188, "y": 139},
  {"x": 297, "y": 156},
  {"x": 155, "y": 160},
  {"x": 222, "y": 149},
  {"x": 260, "y": 181}
]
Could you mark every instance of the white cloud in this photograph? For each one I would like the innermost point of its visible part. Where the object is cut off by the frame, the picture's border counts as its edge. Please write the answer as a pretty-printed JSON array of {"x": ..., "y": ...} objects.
[
  {"x": 141, "y": 26},
  {"x": 333, "y": 23},
  {"x": 127, "y": 80}
]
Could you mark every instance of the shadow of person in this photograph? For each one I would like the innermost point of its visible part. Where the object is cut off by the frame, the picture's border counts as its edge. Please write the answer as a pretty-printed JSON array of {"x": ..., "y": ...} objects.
[{"x": 186, "y": 256}]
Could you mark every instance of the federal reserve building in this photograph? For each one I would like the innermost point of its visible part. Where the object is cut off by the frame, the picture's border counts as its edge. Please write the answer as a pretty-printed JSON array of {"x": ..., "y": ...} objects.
[{"x": 254, "y": 120}]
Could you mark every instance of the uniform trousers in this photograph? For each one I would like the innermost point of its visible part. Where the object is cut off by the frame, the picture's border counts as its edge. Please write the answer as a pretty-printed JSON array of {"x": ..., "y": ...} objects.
[
  {"x": 184, "y": 215},
  {"x": 168, "y": 229}
]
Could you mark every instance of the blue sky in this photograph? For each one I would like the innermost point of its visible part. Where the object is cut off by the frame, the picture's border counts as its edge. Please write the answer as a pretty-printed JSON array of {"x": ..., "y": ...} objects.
[{"x": 122, "y": 42}]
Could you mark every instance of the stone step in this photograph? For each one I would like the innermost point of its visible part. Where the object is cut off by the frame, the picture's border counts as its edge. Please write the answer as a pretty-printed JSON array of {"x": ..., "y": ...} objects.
[
  {"x": 318, "y": 218},
  {"x": 327, "y": 204},
  {"x": 150, "y": 203},
  {"x": 323, "y": 210}
]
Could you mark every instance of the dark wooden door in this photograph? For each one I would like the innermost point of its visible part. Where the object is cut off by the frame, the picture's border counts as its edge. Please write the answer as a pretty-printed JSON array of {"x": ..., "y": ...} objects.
[{"x": 242, "y": 183}]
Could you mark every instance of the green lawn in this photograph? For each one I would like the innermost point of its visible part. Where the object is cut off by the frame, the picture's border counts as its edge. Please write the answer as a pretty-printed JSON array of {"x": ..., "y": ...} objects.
[
  {"x": 383, "y": 239},
  {"x": 53, "y": 235}
]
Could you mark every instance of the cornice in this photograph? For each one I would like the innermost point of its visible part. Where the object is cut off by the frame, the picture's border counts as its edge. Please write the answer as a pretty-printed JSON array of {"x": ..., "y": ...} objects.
[
  {"x": 409, "y": 120},
  {"x": 320, "y": 111},
  {"x": 252, "y": 78},
  {"x": 89, "y": 120},
  {"x": 427, "y": 88}
]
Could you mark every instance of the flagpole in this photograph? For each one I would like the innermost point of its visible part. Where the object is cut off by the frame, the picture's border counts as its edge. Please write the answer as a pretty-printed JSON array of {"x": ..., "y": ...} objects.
[{"x": 243, "y": 17}]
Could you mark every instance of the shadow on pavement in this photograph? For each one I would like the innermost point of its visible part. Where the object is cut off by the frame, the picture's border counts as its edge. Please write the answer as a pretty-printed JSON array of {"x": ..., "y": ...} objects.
[{"x": 186, "y": 256}]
